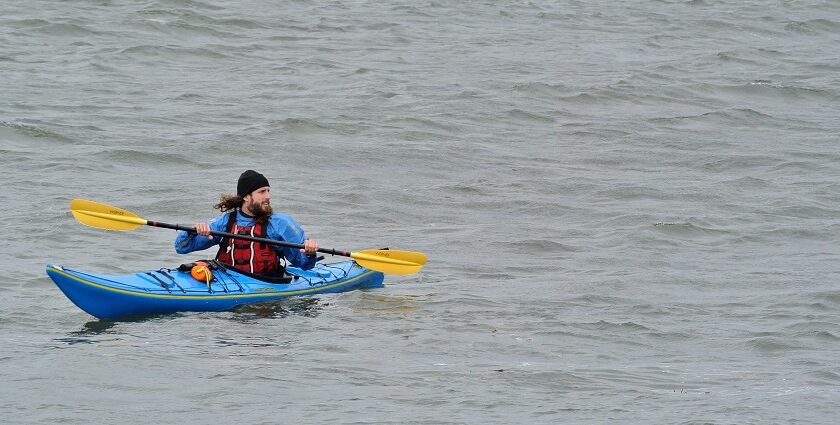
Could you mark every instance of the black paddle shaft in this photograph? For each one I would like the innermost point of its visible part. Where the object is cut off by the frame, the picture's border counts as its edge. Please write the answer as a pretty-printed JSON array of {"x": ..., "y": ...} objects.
[{"x": 244, "y": 237}]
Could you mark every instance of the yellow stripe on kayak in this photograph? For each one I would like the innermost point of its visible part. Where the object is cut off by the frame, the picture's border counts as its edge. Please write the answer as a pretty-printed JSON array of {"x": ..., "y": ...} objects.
[{"x": 209, "y": 295}]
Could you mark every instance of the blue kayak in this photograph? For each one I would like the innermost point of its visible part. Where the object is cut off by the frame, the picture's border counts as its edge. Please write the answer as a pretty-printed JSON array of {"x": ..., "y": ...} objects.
[{"x": 175, "y": 290}]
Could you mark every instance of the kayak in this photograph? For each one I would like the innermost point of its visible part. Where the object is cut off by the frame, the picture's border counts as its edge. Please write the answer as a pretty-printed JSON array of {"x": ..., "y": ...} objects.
[{"x": 176, "y": 290}]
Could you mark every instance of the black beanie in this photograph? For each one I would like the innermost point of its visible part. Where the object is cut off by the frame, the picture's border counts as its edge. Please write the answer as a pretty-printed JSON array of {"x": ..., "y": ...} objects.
[{"x": 250, "y": 181}]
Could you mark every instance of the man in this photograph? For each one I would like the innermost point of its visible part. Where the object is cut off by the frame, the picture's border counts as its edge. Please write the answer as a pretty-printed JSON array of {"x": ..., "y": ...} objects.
[{"x": 249, "y": 213}]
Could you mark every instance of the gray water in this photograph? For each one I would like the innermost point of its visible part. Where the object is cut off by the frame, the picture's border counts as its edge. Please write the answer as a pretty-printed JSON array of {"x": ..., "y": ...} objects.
[{"x": 630, "y": 208}]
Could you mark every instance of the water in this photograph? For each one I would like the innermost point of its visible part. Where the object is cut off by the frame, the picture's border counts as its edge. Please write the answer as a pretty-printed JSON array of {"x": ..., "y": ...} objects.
[{"x": 630, "y": 208}]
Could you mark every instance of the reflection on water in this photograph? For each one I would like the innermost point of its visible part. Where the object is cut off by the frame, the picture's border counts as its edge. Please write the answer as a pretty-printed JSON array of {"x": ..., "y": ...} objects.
[
  {"x": 389, "y": 304},
  {"x": 97, "y": 327},
  {"x": 89, "y": 329},
  {"x": 307, "y": 307}
]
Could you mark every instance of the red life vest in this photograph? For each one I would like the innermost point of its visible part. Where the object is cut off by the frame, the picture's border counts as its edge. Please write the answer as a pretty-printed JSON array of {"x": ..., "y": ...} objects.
[{"x": 252, "y": 257}]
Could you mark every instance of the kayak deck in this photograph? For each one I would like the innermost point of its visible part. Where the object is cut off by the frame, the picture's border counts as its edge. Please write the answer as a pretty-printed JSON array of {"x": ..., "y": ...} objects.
[{"x": 172, "y": 290}]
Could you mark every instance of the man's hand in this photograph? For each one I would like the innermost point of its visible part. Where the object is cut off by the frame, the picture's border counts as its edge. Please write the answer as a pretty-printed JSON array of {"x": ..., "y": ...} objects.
[
  {"x": 310, "y": 247},
  {"x": 202, "y": 229}
]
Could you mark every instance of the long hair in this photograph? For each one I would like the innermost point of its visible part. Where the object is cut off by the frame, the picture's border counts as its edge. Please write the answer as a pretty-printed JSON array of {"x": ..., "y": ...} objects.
[
  {"x": 229, "y": 202},
  {"x": 232, "y": 202}
]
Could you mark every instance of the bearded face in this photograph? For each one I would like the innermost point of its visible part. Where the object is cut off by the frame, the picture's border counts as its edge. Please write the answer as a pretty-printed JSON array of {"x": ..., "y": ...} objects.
[{"x": 260, "y": 209}]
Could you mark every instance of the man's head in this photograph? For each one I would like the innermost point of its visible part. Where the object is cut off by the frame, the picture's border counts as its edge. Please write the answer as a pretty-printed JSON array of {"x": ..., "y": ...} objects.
[
  {"x": 254, "y": 190},
  {"x": 250, "y": 181}
]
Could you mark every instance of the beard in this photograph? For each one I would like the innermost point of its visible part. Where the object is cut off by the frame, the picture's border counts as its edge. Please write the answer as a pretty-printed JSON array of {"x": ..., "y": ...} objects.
[{"x": 261, "y": 212}]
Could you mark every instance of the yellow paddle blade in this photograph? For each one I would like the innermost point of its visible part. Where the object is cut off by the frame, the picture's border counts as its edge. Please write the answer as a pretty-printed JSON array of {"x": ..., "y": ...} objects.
[
  {"x": 104, "y": 216},
  {"x": 388, "y": 261},
  {"x": 398, "y": 257}
]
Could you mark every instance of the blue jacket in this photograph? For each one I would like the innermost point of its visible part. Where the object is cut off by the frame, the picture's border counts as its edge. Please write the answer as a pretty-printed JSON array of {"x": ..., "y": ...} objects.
[{"x": 280, "y": 227}]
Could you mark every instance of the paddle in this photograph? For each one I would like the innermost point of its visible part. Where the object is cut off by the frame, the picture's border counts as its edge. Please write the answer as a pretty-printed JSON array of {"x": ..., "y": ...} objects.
[{"x": 102, "y": 216}]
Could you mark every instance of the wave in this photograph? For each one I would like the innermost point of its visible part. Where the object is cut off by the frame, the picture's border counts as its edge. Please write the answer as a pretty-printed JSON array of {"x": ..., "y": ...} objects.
[
  {"x": 814, "y": 27},
  {"x": 311, "y": 126},
  {"x": 141, "y": 156},
  {"x": 56, "y": 29},
  {"x": 542, "y": 245},
  {"x": 735, "y": 117},
  {"x": 778, "y": 90},
  {"x": 687, "y": 229},
  {"x": 39, "y": 132},
  {"x": 543, "y": 89},
  {"x": 175, "y": 53},
  {"x": 773, "y": 345},
  {"x": 187, "y": 4}
]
